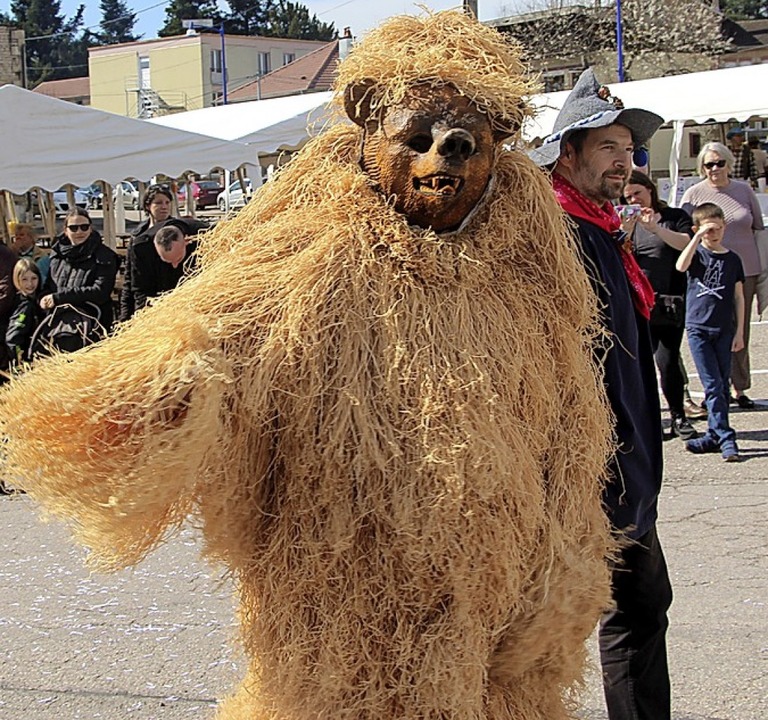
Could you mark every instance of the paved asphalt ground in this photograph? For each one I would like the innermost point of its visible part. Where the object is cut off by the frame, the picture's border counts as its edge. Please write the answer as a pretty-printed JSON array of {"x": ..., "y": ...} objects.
[{"x": 153, "y": 643}]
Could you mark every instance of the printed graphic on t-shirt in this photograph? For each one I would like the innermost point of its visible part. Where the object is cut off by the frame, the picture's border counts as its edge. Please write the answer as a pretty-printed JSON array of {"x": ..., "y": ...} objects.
[
  {"x": 712, "y": 282},
  {"x": 712, "y": 279}
]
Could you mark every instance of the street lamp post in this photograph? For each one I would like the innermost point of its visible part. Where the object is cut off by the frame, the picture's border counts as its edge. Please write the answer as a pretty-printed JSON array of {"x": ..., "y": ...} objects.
[
  {"x": 619, "y": 43},
  {"x": 223, "y": 66},
  {"x": 207, "y": 24}
]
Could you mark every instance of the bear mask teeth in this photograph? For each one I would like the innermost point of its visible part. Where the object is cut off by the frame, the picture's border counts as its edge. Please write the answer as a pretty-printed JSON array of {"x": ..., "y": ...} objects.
[{"x": 438, "y": 185}]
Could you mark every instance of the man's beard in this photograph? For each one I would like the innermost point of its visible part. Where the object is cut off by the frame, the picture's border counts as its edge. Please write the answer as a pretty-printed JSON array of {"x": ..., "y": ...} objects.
[{"x": 608, "y": 188}]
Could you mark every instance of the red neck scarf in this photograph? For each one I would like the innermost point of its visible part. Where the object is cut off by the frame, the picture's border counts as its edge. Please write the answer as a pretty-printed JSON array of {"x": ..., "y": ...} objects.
[{"x": 605, "y": 217}]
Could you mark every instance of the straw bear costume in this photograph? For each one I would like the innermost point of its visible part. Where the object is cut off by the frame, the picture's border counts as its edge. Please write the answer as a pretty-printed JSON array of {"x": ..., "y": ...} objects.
[{"x": 394, "y": 438}]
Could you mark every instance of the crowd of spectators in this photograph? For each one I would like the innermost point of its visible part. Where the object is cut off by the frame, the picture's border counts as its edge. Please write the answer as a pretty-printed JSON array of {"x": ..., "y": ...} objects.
[{"x": 66, "y": 298}]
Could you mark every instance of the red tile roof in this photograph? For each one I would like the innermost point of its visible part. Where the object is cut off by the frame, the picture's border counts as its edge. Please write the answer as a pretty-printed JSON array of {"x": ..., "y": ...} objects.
[
  {"x": 73, "y": 89},
  {"x": 313, "y": 72}
]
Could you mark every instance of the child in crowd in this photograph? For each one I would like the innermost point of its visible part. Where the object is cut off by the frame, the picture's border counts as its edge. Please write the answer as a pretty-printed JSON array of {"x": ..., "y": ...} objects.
[
  {"x": 26, "y": 315},
  {"x": 715, "y": 289}
]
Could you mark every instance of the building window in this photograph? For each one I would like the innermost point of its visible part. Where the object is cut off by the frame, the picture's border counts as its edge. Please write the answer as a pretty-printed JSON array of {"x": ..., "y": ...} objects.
[
  {"x": 265, "y": 63},
  {"x": 575, "y": 75},
  {"x": 144, "y": 77},
  {"x": 216, "y": 61},
  {"x": 694, "y": 144},
  {"x": 554, "y": 83},
  {"x": 288, "y": 58}
]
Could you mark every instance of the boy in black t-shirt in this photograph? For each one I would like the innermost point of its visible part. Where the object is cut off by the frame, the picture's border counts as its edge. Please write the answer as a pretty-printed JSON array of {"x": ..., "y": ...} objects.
[{"x": 715, "y": 289}]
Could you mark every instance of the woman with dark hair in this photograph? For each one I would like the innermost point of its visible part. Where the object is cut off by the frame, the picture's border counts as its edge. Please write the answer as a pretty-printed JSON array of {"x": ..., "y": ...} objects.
[
  {"x": 141, "y": 261},
  {"x": 658, "y": 235},
  {"x": 146, "y": 274},
  {"x": 82, "y": 271}
]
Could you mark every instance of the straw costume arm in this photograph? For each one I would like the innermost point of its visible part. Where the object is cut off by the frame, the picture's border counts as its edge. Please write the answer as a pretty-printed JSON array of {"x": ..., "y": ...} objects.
[{"x": 112, "y": 437}]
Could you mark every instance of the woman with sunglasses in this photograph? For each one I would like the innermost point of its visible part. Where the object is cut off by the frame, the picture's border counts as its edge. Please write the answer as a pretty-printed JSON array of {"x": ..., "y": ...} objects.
[
  {"x": 742, "y": 217},
  {"x": 82, "y": 269}
]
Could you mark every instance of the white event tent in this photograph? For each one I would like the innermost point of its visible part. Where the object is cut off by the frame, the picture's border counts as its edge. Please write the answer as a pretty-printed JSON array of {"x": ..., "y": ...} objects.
[
  {"x": 266, "y": 126},
  {"x": 48, "y": 143},
  {"x": 729, "y": 94},
  {"x": 719, "y": 96}
]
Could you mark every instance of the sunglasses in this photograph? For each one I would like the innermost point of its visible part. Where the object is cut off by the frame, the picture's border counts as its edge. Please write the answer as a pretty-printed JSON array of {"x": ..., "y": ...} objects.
[
  {"x": 714, "y": 164},
  {"x": 75, "y": 228}
]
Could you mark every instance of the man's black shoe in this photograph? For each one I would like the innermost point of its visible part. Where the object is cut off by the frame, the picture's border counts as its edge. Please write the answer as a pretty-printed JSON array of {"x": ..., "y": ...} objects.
[{"x": 683, "y": 429}]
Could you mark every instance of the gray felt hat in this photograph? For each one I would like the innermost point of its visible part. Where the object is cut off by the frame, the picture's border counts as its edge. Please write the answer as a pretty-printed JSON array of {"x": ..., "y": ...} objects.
[{"x": 590, "y": 105}]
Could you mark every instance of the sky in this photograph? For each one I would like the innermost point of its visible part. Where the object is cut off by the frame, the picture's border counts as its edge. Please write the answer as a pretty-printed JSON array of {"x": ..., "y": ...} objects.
[{"x": 359, "y": 15}]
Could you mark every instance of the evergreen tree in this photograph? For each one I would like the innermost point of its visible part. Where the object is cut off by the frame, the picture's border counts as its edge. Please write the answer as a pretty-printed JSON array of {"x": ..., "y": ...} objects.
[
  {"x": 248, "y": 17},
  {"x": 745, "y": 9},
  {"x": 179, "y": 10},
  {"x": 292, "y": 20},
  {"x": 52, "y": 49},
  {"x": 117, "y": 23}
]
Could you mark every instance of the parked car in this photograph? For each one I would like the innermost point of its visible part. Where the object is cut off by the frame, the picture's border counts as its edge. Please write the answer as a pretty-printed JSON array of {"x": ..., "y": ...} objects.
[
  {"x": 61, "y": 200},
  {"x": 93, "y": 194},
  {"x": 130, "y": 196},
  {"x": 234, "y": 197},
  {"x": 205, "y": 193}
]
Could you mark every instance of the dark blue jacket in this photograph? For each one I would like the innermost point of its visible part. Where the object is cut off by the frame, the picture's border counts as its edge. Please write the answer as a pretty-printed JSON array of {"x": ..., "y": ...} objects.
[
  {"x": 25, "y": 318},
  {"x": 630, "y": 379}
]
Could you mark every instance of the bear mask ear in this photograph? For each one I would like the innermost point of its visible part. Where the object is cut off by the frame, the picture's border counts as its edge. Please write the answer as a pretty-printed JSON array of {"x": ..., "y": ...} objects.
[
  {"x": 506, "y": 128},
  {"x": 357, "y": 101}
]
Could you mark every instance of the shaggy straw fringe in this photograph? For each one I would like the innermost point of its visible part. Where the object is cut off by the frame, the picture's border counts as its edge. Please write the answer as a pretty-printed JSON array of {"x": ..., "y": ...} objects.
[
  {"x": 444, "y": 48},
  {"x": 393, "y": 439}
]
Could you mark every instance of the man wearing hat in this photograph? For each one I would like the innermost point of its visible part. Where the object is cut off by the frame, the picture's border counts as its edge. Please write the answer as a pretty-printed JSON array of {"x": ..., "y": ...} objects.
[
  {"x": 744, "y": 166},
  {"x": 590, "y": 157}
]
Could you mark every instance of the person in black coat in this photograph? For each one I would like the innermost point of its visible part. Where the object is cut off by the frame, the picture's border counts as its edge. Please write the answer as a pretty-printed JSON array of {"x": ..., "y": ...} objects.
[
  {"x": 658, "y": 236},
  {"x": 7, "y": 299},
  {"x": 590, "y": 157},
  {"x": 82, "y": 270},
  {"x": 27, "y": 314},
  {"x": 176, "y": 249},
  {"x": 146, "y": 274}
]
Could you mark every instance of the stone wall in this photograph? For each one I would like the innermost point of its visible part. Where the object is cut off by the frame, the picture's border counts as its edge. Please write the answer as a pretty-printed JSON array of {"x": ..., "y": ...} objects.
[{"x": 11, "y": 56}]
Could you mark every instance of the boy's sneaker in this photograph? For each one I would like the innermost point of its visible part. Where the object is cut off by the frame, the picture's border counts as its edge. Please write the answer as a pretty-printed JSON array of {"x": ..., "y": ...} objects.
[
  {"x": 704, "y": 444},
  {"x": 730, "y": 453},
  {"x": 682, "y": 428}
]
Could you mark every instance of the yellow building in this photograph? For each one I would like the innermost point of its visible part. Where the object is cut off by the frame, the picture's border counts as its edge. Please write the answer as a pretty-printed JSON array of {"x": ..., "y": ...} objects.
[{"x": 185, "y": 72}]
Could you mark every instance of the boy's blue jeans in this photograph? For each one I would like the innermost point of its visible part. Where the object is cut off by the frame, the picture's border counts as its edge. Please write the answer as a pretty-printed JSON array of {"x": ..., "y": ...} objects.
[{"x": 711, "y": 351}]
